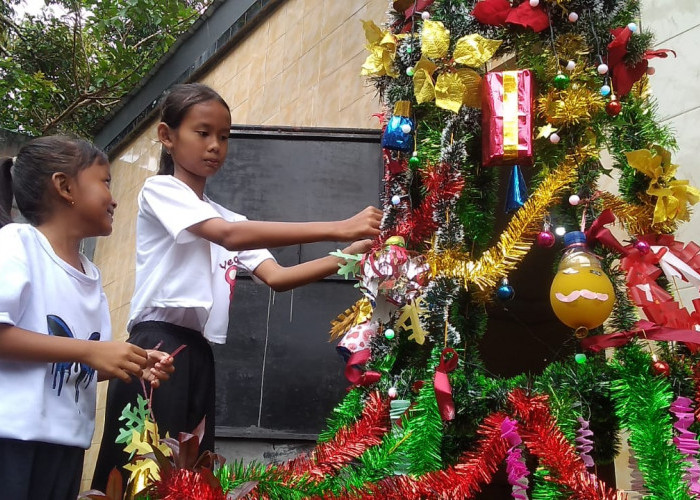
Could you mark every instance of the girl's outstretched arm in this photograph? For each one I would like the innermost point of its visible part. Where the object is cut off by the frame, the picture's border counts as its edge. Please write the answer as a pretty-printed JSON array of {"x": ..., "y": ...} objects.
[
  {"x": 110, "y": 359},
  {"x": 249, "y": 235},
  {"x": 281, "y": 278}
]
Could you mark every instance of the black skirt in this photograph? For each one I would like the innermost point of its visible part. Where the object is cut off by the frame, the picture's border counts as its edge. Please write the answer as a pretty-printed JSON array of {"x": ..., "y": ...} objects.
[{"x": 179, "y": 404}]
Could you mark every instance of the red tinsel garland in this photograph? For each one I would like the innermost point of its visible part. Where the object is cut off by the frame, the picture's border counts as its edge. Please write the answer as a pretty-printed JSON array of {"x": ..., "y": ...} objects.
[
  {"x": 348, "y": 444},
  {"x": 545, "y": 440},
  {"x": 463, "y": 480},
  {"x": 186, "y": 484}
]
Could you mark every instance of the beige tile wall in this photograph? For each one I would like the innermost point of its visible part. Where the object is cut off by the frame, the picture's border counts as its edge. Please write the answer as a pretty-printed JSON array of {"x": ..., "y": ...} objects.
[{"x": 300, "y": 67}]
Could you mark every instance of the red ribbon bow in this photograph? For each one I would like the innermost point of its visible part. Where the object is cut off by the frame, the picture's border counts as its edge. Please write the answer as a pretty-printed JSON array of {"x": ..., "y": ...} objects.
[
  {"x": 644, "y": 329},
  {"x": 441, "y": 383},
  {"x": 353, "y": 369}
]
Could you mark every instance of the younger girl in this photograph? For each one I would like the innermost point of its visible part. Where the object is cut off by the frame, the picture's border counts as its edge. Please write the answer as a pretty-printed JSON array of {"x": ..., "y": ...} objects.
[
  {"x": 54, "y": 319},
  {"x": 182, "y": 294}
]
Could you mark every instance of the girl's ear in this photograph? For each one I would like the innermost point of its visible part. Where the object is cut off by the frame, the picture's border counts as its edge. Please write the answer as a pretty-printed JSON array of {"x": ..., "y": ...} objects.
[
  {"x": 165, "y": 134},
  {"x": 63, "y": 185}
]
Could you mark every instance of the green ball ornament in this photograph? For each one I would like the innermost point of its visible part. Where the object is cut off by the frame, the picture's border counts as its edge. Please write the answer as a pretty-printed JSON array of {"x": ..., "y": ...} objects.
[
  {"x": 409, "y": 49},
  {"x": 580, "y": 358},
  {"x": 410, "y": 71},
  {"x": 389, "y": 334},
  {"x": 414, "y": 161},
  {"x": 561, "y": 81}
]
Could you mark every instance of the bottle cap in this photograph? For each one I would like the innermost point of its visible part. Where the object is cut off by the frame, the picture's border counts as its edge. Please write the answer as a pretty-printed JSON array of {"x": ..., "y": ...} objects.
[{"x": 574, "y": 237}]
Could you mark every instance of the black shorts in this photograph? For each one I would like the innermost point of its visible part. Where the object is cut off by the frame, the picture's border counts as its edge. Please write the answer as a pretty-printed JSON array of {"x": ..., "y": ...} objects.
[
  {"x": 179, "y": 404},
  {"x": 33, "y": 470}
]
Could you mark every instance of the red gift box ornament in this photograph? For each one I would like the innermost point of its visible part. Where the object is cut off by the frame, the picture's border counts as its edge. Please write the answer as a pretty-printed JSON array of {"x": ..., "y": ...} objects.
[{"x": 507, "y": 118}]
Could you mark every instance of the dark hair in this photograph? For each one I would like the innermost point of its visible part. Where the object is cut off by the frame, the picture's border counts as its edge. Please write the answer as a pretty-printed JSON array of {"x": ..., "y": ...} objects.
[
  {"x": 33, "y": 167},
  {"x": 175, "y": 105}
]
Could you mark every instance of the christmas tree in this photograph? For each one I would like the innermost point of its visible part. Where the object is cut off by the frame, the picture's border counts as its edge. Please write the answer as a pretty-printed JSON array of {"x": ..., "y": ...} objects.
[{"x": 480, "y": 96}]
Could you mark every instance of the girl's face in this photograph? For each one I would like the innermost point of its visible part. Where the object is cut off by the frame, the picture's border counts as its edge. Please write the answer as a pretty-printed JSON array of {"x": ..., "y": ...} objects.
[
  {"x": 94, "y": 205},
  {"x": 199, "y": 145}
]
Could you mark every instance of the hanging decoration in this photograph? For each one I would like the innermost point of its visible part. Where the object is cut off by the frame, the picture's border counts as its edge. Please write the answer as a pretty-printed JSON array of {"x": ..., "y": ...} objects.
[
  {"x": 507, "y": 118},
  {"x": 517, "y": 190}
]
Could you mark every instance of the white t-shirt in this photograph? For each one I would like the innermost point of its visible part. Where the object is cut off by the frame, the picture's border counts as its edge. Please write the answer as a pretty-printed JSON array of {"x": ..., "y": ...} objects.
[
  {"x": 48, "y": 402},
  {"x": 181, "y": 278}
]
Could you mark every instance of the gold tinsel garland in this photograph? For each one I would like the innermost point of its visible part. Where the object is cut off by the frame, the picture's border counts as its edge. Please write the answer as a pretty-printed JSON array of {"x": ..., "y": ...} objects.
[
  {"x": 515, "y": 242},
  {"x": 637, "y": 219}
]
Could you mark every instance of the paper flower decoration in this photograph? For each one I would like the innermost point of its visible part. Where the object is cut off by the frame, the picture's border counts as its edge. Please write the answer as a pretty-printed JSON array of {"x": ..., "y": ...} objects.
[
  {"x": 672, "y": 195},
  {"x": 624, "y": 76},
  {"x": 453, "y": 86},
  {"x": 500, "y": 12},
  {"x": 382, "y": 51}
]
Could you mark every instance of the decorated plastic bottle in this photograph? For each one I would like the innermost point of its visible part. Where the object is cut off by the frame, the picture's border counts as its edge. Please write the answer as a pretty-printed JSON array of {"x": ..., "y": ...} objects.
[{"x": 582, "y": 295}]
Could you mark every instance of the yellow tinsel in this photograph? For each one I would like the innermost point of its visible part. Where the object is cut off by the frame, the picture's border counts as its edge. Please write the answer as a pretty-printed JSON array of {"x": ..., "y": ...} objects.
[
  {"x": 636, "y": 219},
  {"x": 570, "y": 107},
  {"x": 146, "y": 470},
  {"x": 360, "y": 312},
  {"x": 672, "y": 195},
  {"x": 515, "y": 242}
]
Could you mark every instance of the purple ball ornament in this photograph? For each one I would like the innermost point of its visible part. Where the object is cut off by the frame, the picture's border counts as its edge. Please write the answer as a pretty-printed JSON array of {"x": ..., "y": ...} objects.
[
  {"x": 642, "y": 247},
  {"x": 546, "y": 239}
]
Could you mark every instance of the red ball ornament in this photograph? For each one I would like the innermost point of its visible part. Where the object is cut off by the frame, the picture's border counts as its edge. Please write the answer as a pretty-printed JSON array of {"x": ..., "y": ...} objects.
[
  {"x": 642, "y": 247},
  {"x": 661, "y": 368},
  {"x": 546, "y": 239},
  {"x": 613, "y": 107}
]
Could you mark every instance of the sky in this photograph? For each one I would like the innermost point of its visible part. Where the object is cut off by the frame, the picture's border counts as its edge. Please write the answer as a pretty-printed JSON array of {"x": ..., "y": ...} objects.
[{"x": 30, "y": 7}]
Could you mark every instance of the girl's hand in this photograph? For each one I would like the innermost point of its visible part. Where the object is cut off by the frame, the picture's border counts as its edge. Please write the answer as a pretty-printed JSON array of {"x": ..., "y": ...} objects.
[
  {"x": 159, "y": 367},
  {"x": 116, "y": 359},
  {"x": 365, "y": 224},
  {"x": 360, "y": 246}
]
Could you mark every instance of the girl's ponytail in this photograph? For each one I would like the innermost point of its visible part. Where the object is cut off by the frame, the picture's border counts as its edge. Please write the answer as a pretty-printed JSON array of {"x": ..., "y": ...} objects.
[
  {"x": 167, "y": 166},
  {"x": 5, "y": 191}
]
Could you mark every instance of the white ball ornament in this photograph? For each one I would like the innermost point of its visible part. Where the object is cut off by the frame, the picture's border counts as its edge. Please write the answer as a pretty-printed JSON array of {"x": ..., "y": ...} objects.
[
  {"x": 534, "y": 3},
  {"x": 392, "y": 392},
  {"x": 554, "y": 138},
  {"x": 632, "y": 27},
  {"x": 395, "y": 200},
  {"x": 574, "y": 200},
  {"x": 573, "y": 17},
  {"x": 425, "y": 15},
  {"x": 602, "y": 69},
  {"x": 570, "y": 66},
  {"x": 560, "y": 231},
  {"x": 406, "y": 128}
]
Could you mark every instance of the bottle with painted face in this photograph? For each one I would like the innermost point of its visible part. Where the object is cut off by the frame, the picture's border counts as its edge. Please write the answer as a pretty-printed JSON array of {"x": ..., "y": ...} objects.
[{"x": 581, "y": 295}]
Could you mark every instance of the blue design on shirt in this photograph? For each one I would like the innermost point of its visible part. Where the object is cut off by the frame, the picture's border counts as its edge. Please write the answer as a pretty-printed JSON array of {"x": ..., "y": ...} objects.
[{"x": 59, "y": 328}]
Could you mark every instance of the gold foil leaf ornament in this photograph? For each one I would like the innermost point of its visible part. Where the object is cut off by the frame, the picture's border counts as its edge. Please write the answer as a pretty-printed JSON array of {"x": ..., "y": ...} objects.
[
  {"x": 474, "y": 50},
  {"x": 423, "y": 85},
  {"x": 382, "y": 51},
  {"x": 435, "y": 40},
  {"x": 472, "y": 87},
  {"x": 449, "y": 92}
]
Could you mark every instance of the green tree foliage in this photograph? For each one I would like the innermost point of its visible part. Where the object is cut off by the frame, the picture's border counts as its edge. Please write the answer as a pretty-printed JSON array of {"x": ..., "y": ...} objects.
[{"x": 66, "y": 68}]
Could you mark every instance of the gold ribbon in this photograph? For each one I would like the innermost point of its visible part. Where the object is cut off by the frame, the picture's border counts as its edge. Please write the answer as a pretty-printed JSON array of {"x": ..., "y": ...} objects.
[
  {"x": 510, "y": 115},
  {"x": 402, "y": 108}
]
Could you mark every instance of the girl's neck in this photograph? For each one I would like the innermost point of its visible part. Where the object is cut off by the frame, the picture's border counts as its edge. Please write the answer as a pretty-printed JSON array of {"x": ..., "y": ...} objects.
[
  {"x": 65, "y": 243},
  {"x": 196, "y": 183}
]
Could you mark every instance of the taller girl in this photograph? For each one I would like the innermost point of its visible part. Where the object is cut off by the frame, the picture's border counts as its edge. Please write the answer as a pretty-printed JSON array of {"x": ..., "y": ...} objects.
[{"x": 181, "y": 294}]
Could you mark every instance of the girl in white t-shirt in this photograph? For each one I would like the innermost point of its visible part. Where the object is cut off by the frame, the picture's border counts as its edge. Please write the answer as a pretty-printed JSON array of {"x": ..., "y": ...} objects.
[
  {"x": 187, "y": 251},
  {"x": 54, "y": 321}
]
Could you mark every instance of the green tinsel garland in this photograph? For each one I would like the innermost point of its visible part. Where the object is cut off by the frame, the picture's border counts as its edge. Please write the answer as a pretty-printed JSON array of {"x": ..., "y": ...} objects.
[
  {"x": 642, "y": 401},
  {"x": 344, "y": 414},
  {"x": 424, "y": 428}
]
